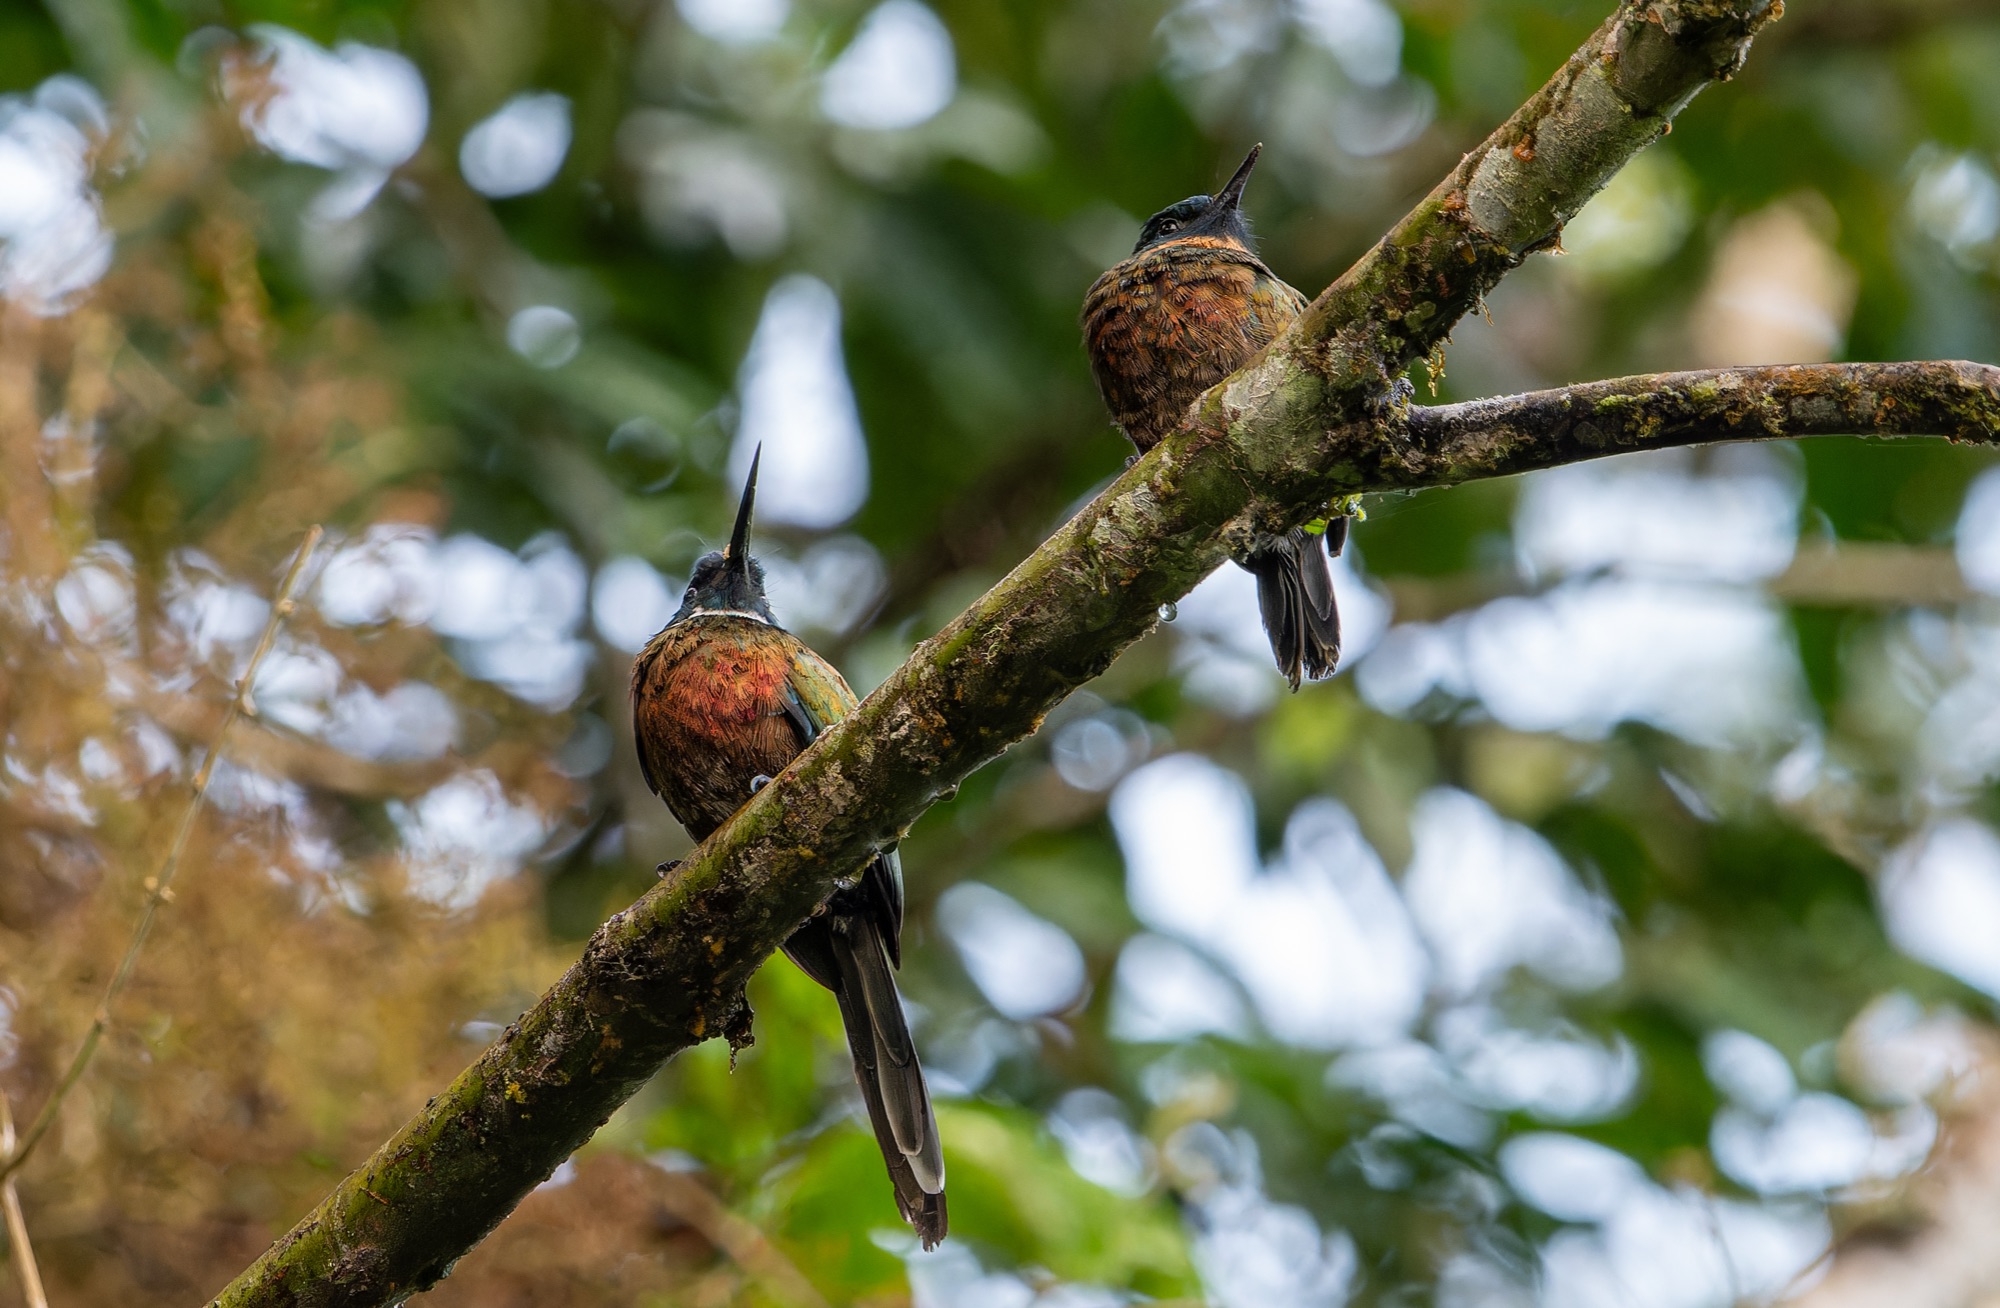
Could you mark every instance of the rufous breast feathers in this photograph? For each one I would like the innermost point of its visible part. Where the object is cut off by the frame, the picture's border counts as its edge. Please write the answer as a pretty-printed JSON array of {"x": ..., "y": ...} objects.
[
  {"x": 709, "y": 710},
  {"x": 1172, "y": 321}
]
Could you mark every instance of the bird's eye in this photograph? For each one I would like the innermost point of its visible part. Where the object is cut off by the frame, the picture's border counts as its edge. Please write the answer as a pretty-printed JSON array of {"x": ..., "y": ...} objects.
[{"x": 1169, "y": 225}]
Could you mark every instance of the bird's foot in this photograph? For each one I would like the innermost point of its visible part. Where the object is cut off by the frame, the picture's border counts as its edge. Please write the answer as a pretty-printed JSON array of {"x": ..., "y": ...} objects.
[
  {"x": 758, "y": 782},
  {"x": 666, "y": 867},
  {"x": 1130, "y": 459},
  {"x": 1335, "y": 535}
]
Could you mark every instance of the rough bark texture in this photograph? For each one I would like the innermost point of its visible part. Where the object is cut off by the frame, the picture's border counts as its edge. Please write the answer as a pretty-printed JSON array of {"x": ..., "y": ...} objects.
[
  {"x": 1310, "y": 418},
  {"x": 1518, "y": 433}
]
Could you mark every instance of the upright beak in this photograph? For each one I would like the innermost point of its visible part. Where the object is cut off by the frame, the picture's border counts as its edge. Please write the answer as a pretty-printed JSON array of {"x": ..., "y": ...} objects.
[
  {"x": 1231, "y": 195},
  {"x": 738, "y": 552}
]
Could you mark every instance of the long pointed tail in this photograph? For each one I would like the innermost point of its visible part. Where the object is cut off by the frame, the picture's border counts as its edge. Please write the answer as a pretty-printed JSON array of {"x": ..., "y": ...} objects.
[
  {"x": 891, "y": 1079},
  {"x": 1295, "y": 595}
]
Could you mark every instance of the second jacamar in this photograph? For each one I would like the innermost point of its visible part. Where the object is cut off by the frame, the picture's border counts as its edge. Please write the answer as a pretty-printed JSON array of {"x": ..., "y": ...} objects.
[
  {"x": 722, "y": 699},
  {"x": 1191, "y": 305}
]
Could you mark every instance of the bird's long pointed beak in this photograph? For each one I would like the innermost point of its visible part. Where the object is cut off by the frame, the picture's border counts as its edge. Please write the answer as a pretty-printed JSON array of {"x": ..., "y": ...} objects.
[
  {"x": 738, "y": 552},
  {"x": 1231, "y": 195}
]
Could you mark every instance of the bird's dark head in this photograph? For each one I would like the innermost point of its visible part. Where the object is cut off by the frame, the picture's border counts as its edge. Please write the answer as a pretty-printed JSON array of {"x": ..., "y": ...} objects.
[
  {"x": 1218, "y": 216},
  {"x": 730, "y": 581}
]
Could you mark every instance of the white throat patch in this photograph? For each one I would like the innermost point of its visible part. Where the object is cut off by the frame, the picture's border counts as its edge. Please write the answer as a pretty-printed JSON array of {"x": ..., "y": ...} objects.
[{"x": 731, "y": 613}]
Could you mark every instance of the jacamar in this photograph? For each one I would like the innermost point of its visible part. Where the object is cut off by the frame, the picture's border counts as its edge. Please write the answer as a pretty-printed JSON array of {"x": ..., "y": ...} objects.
[
  {"x": 722, "y": 699},
  {"x": 1191, "y": 305}
]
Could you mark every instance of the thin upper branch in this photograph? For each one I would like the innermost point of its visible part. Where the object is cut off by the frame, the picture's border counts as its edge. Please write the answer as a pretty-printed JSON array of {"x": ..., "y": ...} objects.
[
  {"x": 669, "y": 971},
  {"x": 1542, "y": 429}
]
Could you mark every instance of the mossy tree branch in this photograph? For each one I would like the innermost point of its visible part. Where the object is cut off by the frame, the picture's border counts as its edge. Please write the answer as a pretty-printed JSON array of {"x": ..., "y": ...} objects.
[
  {"x": 1311, "y": 418},
  {"x": 1542, "y": 429}
]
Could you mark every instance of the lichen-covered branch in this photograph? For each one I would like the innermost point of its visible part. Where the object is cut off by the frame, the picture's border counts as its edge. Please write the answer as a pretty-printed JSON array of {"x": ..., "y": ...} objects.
[
  {"x": 1506, "y": 199},
  {"x": 1517, "y": 433},
  {"x": 1266, "y": 447}
]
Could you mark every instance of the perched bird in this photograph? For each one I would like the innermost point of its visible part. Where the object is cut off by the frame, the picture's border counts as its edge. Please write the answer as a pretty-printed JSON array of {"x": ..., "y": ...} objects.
[
  {"x": 722, "y": 699},
  {"x": 1191, "y": 305}
]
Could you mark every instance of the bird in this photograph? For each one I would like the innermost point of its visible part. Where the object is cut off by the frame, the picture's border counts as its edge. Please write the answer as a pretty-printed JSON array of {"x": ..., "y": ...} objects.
[
  {"x": 1190, "y": 305},
  {"x": 722, "y": 699}
]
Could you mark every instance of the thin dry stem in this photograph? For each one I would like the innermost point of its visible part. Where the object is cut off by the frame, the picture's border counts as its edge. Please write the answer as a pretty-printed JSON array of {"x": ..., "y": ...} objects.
[
  {"x": 17, "y": 1225},
  {"x": 747, "y": 1246},
  {"x": 159, "y": 887}
]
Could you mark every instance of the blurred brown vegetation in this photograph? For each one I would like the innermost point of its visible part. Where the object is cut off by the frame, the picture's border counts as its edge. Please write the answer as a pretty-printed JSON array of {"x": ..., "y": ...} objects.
[{"x": 272, "y": 1032}]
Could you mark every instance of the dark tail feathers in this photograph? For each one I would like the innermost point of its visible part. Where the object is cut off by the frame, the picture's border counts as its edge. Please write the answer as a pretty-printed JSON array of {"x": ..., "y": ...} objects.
[
  {"x": 1295, "y": 594},
  {"x": 891, "y": 1079}
]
